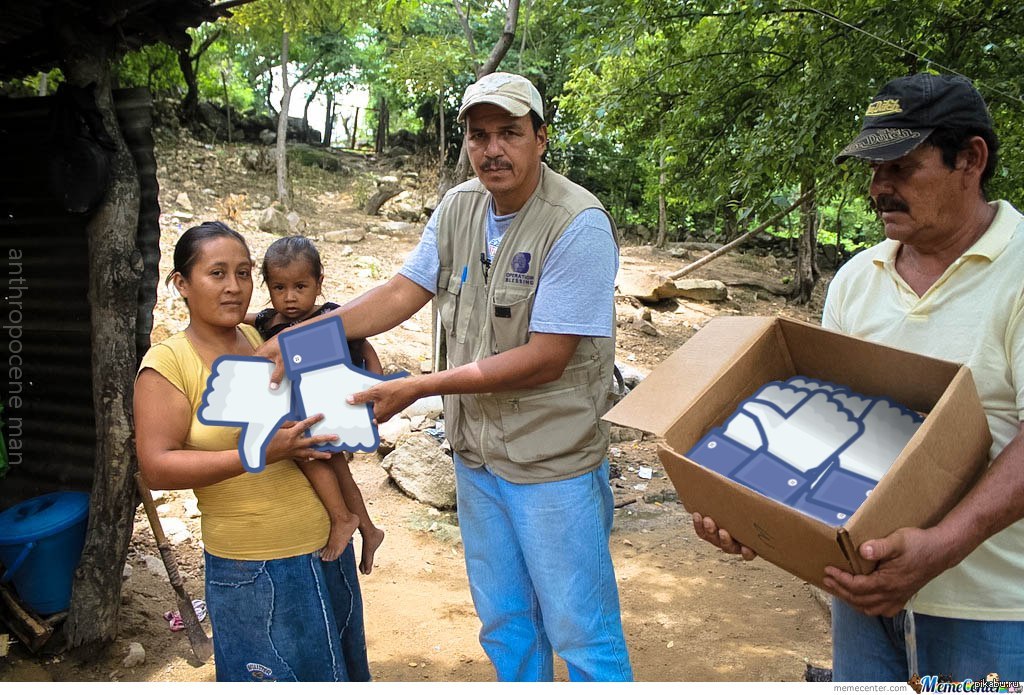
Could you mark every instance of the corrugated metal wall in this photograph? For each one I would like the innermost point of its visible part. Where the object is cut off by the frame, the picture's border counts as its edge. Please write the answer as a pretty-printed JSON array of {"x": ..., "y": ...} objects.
[{"x": 44, "y": 282}]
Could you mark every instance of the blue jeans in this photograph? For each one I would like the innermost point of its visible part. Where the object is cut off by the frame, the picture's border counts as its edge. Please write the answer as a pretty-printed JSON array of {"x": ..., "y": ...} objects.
[
  {"x": 292, "y": 619},
  {"x": 866, "y": 648},
  {"x": 541, "y": 574}
]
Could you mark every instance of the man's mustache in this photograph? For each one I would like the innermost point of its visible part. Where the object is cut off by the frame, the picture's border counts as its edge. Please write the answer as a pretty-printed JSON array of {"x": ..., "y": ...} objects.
[
  {"x": 495, "y": 164},
  {"x": 889, "y": 203}
]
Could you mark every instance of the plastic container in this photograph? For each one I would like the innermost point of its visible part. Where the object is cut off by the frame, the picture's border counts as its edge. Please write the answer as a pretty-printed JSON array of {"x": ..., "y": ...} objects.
[{"x": 41, "y": 542}]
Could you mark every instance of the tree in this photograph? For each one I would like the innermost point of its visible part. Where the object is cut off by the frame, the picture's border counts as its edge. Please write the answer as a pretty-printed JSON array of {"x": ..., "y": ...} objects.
[
  {"x": 115, "y": 273},
  {"x": 756, "y": 98},
  {"x": 288, "y": 20}
]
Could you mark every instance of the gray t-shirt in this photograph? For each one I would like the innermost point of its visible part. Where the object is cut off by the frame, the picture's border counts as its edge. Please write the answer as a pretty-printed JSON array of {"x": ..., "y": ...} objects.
[{"x": 576, "y": 294}]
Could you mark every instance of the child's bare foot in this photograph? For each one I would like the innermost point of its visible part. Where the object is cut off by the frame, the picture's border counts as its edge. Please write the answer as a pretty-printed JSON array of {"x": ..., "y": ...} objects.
[
  {"x": 341, "y": 533},
  {"x": 372, "y": 538}
]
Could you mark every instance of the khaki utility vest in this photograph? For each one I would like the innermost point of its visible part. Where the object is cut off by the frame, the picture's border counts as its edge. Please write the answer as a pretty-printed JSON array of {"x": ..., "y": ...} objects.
[{"x": 549, "y": 432}]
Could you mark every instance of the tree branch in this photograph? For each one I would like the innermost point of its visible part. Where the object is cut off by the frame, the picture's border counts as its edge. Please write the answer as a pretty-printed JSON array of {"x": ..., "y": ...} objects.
[
  {"x": 504, "y": 41},
  {"x": 468, "y": 31}
]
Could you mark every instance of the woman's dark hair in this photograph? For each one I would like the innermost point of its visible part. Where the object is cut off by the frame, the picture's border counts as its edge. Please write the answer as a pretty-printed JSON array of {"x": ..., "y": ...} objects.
[
  {"x": 289, "y": 249},
  {"x": 951, "y": 141},
  {"x": 186, "y": 251}
]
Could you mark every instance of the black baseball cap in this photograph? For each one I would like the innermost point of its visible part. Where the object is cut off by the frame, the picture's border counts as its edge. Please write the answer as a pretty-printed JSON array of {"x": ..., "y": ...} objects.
[{"x": 908, "y": 109}]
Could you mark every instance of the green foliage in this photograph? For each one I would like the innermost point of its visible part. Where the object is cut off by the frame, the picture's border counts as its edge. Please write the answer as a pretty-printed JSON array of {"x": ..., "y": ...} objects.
[
  {"x": 734, "y": 102},
  {"x": 154, "y": 67},
  {"x": 756, "y": 97}
]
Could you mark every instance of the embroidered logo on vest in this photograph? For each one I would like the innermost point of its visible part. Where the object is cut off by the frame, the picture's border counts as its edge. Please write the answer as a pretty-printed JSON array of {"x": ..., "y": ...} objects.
[{"x": 520, "y": 267}]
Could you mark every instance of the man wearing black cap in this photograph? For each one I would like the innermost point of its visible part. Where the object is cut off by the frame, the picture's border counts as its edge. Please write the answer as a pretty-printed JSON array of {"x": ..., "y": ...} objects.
[
  {"x": 948, "y": 283},
  {"x": 521, "y": 263}
]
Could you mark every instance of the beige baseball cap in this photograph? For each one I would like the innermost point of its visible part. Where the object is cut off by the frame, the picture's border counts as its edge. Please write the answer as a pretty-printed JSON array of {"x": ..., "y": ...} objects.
[{"x": 514, "y": 93}]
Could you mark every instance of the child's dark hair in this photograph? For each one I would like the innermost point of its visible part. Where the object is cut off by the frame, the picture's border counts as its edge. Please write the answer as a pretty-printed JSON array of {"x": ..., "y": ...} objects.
[
  {"x": 289, "y": 249},
  {"x": 186, "y": 251}
]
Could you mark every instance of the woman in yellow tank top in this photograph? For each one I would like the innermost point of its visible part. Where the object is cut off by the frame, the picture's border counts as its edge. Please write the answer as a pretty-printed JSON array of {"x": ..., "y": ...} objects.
[{"x": 278, "y": 611}]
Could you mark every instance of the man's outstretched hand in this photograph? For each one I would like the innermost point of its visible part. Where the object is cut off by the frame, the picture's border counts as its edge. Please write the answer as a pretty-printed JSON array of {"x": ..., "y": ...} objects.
[{"x": 272, "y": 351}]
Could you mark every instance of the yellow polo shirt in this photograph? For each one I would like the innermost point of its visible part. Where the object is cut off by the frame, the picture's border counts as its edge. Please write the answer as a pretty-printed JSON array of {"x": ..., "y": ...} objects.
[
  {"x": 971, "y": 315},
  {"x": 253, "y": 516}
]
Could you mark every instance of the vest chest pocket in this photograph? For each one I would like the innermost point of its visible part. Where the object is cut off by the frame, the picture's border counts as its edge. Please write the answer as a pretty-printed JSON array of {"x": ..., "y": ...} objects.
[
  {"x": 447, "y": 297},
  {"x": 456, "y": 300},
  {"x": 510, "y": 319}
]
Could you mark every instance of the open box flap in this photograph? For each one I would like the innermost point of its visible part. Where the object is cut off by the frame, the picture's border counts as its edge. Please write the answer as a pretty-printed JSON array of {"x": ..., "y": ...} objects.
[{"x": 656, "y": 403}]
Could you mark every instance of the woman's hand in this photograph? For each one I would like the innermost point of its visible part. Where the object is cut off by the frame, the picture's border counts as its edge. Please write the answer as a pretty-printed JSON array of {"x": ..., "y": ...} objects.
[{"x": 290, "y": 442}]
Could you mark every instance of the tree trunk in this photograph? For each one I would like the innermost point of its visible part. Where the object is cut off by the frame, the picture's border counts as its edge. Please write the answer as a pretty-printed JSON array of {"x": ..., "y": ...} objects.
[
  {"x": 269, "y": 92},
  {"x": 190, "y": 104},
  {"x": 662, "y": 216},
  {"x": 329, "y": 120},
  {"x": 730, "y": 222},
  {"x": 355, "y": 129},
  {"x": 282, "y": 126},
  {"x": 306, "y": 135},
  {"x": 227, "y": 101},
  {"x": 839, "y": 230},
  {"x": 807, "y": 273},
  {"x": 383, "y": 123},
  {"x": 115, "y": 271},
  {"x": 440, "y": 118}
]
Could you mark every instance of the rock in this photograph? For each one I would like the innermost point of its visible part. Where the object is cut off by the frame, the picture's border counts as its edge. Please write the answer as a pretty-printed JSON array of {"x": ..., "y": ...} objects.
[
  {"x": 126, "y": 571},
  {"x": 136, "y": 656},
  {"x": 392, "y": 227},
  {"x": 419, "y": 422},
  {"x": 429, "y": 407},
  {"x": 163, "y": 509},
  {"x": 701, "y": 290},
  {"x": 345, "y": 236},
  {"x": 422, "y": 470},
  {"x": 346, "y": 251},
  {"x": 175, "y": 530},
  {"x": 155, "y": 566},
  {"x": 646, "y": 327},
  {"x": 191, "y": 508},
  {"x": 183, "y": 201},
  {"x": 630, "y": 375},
  {"x": 296, "y": 225},
  {"x": 647, "y": 287},
  {"x": 390, "y": 432},
  {"x": 624, "y": 434},
  {"x": 268, "y": 137},
  {"x": 274, "y": 221},
  {"x": 697, "y": 246},
  {"x": 770, "y": 261}
]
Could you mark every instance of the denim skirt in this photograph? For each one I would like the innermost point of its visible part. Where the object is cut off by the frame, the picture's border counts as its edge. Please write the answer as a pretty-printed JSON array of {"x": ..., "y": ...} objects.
[{"x": 290, "y": 619}]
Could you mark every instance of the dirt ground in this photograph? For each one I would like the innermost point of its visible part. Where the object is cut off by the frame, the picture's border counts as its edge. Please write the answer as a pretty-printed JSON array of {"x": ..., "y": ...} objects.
[{"x": 690, "y": 613}]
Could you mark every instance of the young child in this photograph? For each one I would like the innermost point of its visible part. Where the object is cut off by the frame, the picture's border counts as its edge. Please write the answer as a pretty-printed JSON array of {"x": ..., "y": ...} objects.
[{"x": 294, "y": 276}]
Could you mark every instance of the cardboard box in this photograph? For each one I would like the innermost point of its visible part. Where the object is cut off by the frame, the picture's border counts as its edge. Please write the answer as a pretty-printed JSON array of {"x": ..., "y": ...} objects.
[{"x": 701, "y": 384}]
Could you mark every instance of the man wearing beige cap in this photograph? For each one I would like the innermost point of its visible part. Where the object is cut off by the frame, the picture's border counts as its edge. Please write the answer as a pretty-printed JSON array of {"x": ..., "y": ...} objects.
[
  {"x": 522, "y": 264},
  {"x": 947, "y": 282}
]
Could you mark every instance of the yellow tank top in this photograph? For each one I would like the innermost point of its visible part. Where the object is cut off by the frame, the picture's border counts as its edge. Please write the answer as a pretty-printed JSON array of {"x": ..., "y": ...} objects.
[{"x": 254, "y": 516}]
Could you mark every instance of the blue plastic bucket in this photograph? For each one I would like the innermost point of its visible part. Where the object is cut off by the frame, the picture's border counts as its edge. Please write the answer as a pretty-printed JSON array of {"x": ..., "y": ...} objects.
[{"x": 41, "y": 542}]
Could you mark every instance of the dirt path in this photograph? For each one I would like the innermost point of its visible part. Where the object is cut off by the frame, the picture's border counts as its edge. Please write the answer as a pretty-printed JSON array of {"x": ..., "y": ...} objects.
[{"x": 689, "y": 612}]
